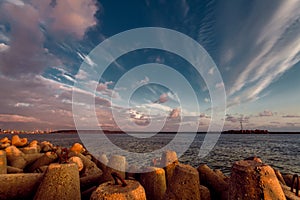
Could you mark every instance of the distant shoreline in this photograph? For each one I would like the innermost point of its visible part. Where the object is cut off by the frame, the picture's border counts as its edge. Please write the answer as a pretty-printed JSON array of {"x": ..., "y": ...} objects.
[{"x": 121, "y": 132}]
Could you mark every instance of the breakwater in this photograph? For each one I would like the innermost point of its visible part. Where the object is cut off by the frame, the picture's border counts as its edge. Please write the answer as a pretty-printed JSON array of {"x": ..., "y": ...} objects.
[{"x": 40, "y": 170}]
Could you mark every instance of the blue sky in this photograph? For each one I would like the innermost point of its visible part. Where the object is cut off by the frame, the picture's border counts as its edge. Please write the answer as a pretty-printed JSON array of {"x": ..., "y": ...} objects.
[{"x": 254, "y": 44}]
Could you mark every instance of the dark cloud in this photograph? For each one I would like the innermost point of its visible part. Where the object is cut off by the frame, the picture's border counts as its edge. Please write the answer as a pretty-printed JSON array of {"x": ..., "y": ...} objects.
[
  {"x": 291, "y": 116},
  {"x": 31, "y": 22}
]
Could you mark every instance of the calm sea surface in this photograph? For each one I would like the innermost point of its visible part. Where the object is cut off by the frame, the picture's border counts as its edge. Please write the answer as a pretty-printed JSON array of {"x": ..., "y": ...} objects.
[{"x": 280, "y": 151}]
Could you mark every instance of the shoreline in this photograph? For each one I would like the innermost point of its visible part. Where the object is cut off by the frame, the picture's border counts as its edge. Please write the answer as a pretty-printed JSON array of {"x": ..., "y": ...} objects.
[{"x": 41, "y": 163}]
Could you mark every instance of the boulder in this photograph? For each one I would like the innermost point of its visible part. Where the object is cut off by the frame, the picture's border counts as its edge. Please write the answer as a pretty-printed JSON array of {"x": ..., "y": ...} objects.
[
  {"x": 204, "y": 193},
  {"x": 109, "y": 191},
  {"x": 77, "y": 161},
  {"x": 288, "y": 178},
  {"x": 90, "y": 168},
  {"x": 61, "y": 181},
  {"x": 279, "y": 176},
  {"x": 46, "y": 159},
  {"x": 77, "y": 148},
  {"x": 17, "y": 141},
  {"x": 3, "y": 162},
  {"x": 30, "y": 150},
  {"x": 169, "y": 161},
  {"x": 5, "y": 140},
  {"x": 15, "y": 157},
  {"x": 46, "y": 146},
  {"x": 14, "y": 170},
  {"x": 254, "y": 180},
  {"x": 288, "y": 193},
  {"x": 213, "y": 181},
  {"x": 19, "y": 186},
  {"x": 185, "y": 184},
  {"x": 154, "y": 182}
]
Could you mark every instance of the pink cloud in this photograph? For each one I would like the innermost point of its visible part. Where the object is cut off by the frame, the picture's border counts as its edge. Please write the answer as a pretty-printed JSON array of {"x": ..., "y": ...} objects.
[
  {"x": 67, "y": 16},
  {"x": 16, "y": 118},
  {"x": 175, "y": 113},
  {"x": 162, "y": 99},
  {"x": 266, "y": 113}
]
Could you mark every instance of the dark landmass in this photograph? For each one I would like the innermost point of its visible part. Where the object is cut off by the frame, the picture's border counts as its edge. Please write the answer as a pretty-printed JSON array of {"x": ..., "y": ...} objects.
[{"x": 224, "y": 132}]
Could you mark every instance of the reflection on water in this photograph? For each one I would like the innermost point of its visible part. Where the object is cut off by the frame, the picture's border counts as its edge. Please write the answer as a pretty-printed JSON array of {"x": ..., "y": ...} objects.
[{"x": 279, "y": 151}]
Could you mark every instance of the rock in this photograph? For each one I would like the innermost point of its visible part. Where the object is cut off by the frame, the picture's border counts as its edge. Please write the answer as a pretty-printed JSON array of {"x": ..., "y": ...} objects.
[
  {"x": 86, "y": 194},
  {"x": 220, "y": 174},
  {"x": 77, "y": 148},
  {"x": 77, "y": 161},
  {"x": 19, "y": 186},
  {"x": 46, "y": 146},
  {"x": 3, "y": 162},
  {"x": 287, "y": 192},
  {"x": 17, "y": 141},
  {"x": 90, "y": 168},
  {"x": 101, "y": 161},
  {"x": 90, "y": 181},
  {"x": 204, "y": 193},
  {"x": 4, "y": 145},
  {"x": 117, "y": 164},
  {"x": 288, "y": 178},
  {"x": 15, "y": 157},
  {"x": 30, "y": 150},
  {"x": 31, "y": 158},
  {"x": 279, "y": 177},
  {"x": 254, "y": 158},
  {"x": 213, "y": 182},
  {"x": 109, "y": 191},
  {"x": 45, "y": 159},
  {"x": 254, "y": 180},
  {"x": 133, "y": 172},
  {"x": 33, "y": 143},
  {"x": 169, "y": 161},
  {"x": 185, "y": 184},
  {"x": 5, "y": 140},
  {"x": 154, "y": 182},
  {"x": 61, "y": 181},
  {"x": 13, "y": 170}
]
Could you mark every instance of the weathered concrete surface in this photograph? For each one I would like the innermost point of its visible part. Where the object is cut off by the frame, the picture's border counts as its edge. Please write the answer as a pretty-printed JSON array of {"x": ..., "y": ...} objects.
[
  {"x": 61, "y": 181},
  {"x": 169, "y": 161},
  {"x": 15, "y": 157},
  {"x": 185, "y": 184},
  {"x": 90, "y": 168},
  {"x": 45, "y": 159},
  {"x": 214, "y": 182},
  {"x": 287, "y": 192},
  {"x": 204, "y": 193},
  {"x": 288, "y": 178},
  {"x": 254, "y": 180},
  {"x": 19, "y": 186},
  {"x": 3, "y": 162},
  {"x": 154, "y": 183},
  {"x": 109, "y": 191}
]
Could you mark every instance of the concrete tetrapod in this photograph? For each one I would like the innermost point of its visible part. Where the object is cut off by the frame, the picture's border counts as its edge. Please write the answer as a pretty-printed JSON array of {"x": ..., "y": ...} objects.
[
  {"x": 61, "y": 181},
  {"x": 169, "y": 161},
  {"x": 154, "y": 183},
  {"x": 3, "y": 162},
  {"x": 185, "y": 184},
  {"x": 214, "y": 182},
  {"x": 19, "y": 186},
  {"x": 254, "y": 180},
  {"x": 110, "y": 191}
]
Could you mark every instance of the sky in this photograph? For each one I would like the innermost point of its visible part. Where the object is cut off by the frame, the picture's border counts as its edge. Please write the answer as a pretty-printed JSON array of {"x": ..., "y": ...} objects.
[{"x": 255, "y": 46}]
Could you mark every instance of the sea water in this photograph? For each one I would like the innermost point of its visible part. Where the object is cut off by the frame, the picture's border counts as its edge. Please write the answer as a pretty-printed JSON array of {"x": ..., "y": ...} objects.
[{"x": 281, "y": 151}]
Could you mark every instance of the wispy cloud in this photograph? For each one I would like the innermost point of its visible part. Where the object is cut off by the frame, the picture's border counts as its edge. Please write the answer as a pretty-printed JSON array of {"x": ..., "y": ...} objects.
[{"x": 262, "y": 50}]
